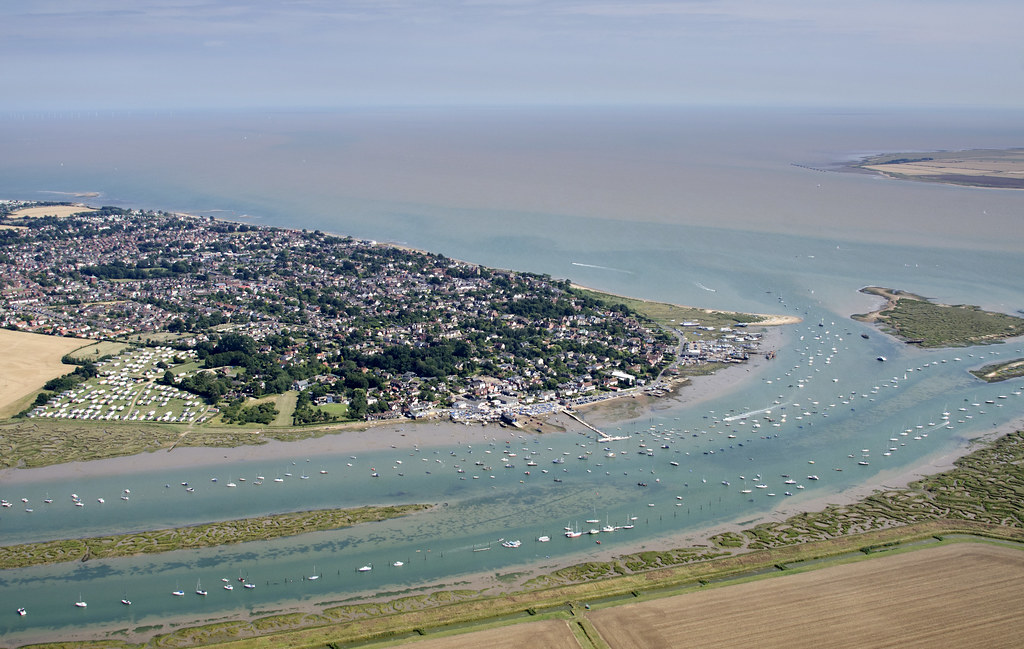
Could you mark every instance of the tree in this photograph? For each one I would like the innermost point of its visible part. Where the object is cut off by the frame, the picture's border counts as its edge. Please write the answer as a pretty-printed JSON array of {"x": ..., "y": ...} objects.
[{"x": 357, "y": 404}]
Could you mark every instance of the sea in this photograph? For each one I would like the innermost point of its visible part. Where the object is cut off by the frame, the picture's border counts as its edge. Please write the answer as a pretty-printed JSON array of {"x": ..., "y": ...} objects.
[{"x": 744, "y": 209}]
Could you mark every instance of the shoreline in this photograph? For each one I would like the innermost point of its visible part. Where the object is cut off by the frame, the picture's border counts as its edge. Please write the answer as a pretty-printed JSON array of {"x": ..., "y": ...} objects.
[
  {"x": 769, "y": 319},
  {"x": 348, "y": 438},
  {"x": 403, "y": 434}
]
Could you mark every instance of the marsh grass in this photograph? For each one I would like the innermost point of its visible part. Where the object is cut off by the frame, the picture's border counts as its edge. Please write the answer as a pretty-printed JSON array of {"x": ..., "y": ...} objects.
[{"x": 198, "y": 536}]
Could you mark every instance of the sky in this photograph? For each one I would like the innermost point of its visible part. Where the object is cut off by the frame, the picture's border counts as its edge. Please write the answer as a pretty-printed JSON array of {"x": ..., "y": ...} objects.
[{"x": 157, "y": 54}]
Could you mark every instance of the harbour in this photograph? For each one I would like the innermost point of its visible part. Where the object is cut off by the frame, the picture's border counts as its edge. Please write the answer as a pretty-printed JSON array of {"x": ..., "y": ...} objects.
[{"x": 822, "y": 399}]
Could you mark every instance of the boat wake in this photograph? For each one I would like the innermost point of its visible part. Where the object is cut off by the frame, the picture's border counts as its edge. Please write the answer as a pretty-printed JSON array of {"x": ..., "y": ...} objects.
[
  {"x": 699, "y": 285},
  {"x": 744, "y": 415},
  {"x": 614, "y": 270}
]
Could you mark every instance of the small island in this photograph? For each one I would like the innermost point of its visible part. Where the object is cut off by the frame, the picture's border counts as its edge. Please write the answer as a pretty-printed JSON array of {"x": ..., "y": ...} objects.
[
  {"x": 919, "y": 321},
  {"x": 999, "y": 372},
  {"x": 994, "y": 168}
]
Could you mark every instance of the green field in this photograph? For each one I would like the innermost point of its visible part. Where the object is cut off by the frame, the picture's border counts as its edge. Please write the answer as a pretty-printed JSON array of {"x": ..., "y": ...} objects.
[{"x": 673, "y": 316}]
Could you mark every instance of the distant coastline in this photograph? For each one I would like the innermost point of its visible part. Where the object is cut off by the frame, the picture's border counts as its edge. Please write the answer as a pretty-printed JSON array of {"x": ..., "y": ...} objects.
[{"x": 989, "y": 168}]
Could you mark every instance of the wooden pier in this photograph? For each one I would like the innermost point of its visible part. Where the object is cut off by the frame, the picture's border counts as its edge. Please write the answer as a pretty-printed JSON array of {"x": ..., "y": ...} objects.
[{"x": 605, "y": 437}]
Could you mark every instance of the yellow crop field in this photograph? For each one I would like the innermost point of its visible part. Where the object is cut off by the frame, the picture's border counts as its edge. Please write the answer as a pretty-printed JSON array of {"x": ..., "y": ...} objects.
[
  {"x": 957, "y": 595},
  {"x": 60, "y": 211},
  {"x": 27, "y": 361}
]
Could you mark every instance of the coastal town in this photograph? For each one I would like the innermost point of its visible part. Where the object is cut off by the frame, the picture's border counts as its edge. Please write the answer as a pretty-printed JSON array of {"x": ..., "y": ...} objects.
[{"x": 216, "y": 315}]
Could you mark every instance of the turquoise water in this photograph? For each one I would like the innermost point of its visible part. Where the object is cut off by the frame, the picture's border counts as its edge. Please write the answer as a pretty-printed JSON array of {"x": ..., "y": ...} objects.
[{"x": 705, "y": 210}]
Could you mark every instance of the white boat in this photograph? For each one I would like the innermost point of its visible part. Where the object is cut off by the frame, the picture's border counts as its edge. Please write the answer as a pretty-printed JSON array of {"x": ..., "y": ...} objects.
[
  {"x": 512, "y": 544},
  {"x": 543, "y": 539},
  {"x": 22, "y": 612},
  {"x": 315, "y": 574},
  {"x": 228, "y": 587},
  {"x": 248, "y": 585},
  {"x": 199, "y": 589},
  {"x": 178, "y": 592},
  {"x": 367, "y": 568},
  {"x": 398, "y": 564},
  {"x": 80, "y": 603},
  {"x": 126, "y": 601}
]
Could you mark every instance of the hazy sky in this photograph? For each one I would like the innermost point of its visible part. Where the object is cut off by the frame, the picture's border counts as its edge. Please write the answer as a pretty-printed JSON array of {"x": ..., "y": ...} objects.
[{"x": 63, "y": 54}]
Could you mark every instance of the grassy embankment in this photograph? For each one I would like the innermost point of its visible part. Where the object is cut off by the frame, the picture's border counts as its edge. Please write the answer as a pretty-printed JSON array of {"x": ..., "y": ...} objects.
[
  {"x": 33, "y": 443},
  {"x": 915, "y": 319},
  {"x": 192, "y": 537},
  {"x": 982, "y": 496}
]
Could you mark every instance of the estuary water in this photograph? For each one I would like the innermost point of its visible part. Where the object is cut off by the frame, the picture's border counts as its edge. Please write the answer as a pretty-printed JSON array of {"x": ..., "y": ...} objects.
[{"x": 697, "y": 207}]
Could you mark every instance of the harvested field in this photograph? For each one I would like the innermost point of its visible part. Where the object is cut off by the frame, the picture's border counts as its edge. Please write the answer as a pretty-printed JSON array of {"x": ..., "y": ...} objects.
[
  {"x": 60, "y": 211},
  {"x": 553, "y": 634},
  {"x": 980, "y": 167},
  {"x": 28, "y": 361},
  {"x": 963, "y": 594}
]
